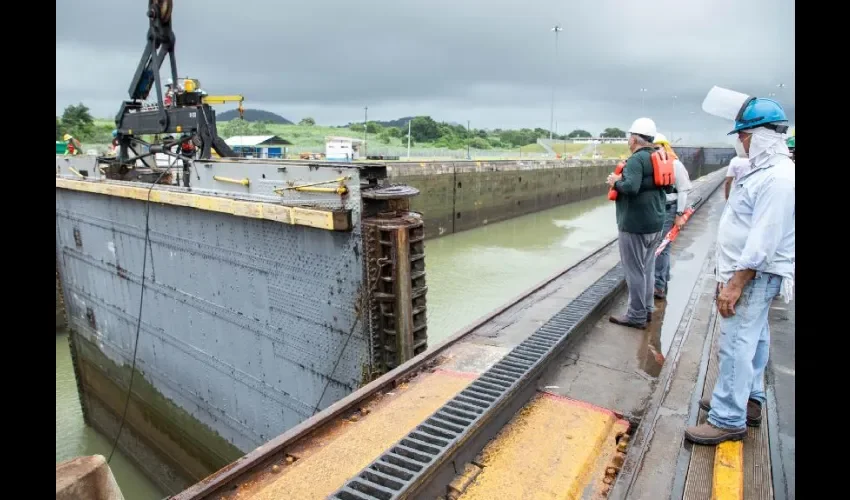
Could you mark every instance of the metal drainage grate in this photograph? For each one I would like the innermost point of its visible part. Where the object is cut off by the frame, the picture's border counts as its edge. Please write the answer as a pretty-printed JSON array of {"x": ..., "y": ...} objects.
[{"x": 403, "y": 464}]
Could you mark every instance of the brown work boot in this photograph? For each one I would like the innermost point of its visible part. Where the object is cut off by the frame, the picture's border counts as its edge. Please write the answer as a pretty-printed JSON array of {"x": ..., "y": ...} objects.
[
  {"x": 624, "y": 321},
  {"x": 753, "y": 410},
  {"x": 709, "y": 434}
]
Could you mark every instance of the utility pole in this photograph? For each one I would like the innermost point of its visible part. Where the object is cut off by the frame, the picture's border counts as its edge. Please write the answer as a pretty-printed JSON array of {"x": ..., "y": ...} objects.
[
  {"x": 642, "y": 93},
  {"x": 408, "y": 138},
  {"x": 365, "y": 127},
  {"x": 557, "y": 29}
]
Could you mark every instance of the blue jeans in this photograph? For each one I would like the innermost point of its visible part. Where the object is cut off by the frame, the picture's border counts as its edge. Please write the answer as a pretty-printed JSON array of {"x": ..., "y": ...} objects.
[
  {"x": 662, "y": 262},
  {"x": 744, "y": 347}
]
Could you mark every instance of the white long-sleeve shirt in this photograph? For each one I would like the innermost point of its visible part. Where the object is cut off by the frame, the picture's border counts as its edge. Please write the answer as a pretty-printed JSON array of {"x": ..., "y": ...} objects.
[
  {"x": 757, "y": 228},
  {"x": 683, "y": 187}
]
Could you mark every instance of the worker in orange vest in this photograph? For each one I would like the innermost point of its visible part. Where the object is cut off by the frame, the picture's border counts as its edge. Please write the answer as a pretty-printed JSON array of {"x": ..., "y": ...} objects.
[
  {"x": 73, "y": 146},
  {"x": 169, "y": 93}
]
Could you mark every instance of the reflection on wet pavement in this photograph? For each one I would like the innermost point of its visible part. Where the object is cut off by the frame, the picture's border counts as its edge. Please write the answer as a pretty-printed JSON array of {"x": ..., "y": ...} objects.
[
  {"x": 650, "y": 356},
  {"x": 695, "y": 240}
]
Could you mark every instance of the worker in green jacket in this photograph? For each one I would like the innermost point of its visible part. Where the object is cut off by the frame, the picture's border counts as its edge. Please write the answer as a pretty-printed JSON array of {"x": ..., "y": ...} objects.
[
  {"x": 640, "y": 220},
  {"x": 792, "y": 144}
]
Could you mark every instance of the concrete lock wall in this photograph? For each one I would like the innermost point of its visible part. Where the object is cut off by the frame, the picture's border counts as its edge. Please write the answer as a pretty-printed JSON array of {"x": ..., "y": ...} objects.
[
  {"x": 86, "y": 477},
  {"x": 460, "y": 195},
  {"x": 243, "y": 323}
]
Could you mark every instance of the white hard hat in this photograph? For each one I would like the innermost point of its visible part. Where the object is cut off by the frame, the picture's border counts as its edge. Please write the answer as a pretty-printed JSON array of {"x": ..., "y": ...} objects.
[
  {"x": 643, "y": 126},
  {"x": 169, "y": 82}
]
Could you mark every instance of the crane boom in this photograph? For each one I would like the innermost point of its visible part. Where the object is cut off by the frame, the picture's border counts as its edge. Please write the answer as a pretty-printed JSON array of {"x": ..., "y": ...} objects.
[
  {"x": 222, "y": 99},
  {"x": 186, "y": 114}
]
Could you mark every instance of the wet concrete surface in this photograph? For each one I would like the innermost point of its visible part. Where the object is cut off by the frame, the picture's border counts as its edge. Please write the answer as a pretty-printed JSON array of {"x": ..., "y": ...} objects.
[
  {"x": 602, "y": 367},
  {"x": 657, "y": 445},
  {"x": 664, "y": 459},
  {"x": 781, "y": 382},
  {"x": 689, "y": 252},
  {"x": 616, "y": 367}
]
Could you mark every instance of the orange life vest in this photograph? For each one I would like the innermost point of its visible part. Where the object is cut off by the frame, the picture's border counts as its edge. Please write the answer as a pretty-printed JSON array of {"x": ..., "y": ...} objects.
[
  {"x": 612, "y": 193},
  {"x": 663, "y": 171}
]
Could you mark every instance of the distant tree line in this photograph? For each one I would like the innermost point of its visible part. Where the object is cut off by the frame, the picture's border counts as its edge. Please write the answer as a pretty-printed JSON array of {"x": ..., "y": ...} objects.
[
  {"x": 424, "y": 129},
  {"x": 78, "y": 121}
]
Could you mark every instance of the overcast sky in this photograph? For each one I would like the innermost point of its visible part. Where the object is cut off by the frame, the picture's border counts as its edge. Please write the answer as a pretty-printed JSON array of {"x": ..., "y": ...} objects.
[{"x": 488, "y": 61}]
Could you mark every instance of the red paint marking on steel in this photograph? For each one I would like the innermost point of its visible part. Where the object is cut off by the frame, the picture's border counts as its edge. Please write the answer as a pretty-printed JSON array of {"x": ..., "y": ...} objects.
[
  {"x": 579, "y": 403},
  {"x": 456, "y": 373}
]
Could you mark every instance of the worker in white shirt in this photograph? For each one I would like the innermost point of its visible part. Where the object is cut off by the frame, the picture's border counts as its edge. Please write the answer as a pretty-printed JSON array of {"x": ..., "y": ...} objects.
[
  {"x": 677, "y": 203},
  {"x": 737, "y": 168}
]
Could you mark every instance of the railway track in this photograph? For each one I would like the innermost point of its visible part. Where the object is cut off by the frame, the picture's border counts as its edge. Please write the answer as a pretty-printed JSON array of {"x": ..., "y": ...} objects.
[{"x": 423, "y": 462}]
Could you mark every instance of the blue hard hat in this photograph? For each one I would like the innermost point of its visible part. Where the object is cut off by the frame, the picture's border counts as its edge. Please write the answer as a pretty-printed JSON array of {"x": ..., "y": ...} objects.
[
  {"x": 115, "y": 133},
  {"x": 759, "y": 111}
]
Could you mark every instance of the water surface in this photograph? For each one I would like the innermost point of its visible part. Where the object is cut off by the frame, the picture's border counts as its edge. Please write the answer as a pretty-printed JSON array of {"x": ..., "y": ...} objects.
[{"x": 74, "y": 438}]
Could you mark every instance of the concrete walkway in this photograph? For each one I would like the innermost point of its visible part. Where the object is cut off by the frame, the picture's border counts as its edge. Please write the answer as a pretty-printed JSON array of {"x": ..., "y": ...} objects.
[
  {"x": 781, "y": 398},
  {"x": 661, "y": 464}
]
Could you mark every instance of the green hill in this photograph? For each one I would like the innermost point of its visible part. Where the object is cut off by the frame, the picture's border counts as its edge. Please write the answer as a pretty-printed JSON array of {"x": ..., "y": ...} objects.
[{"x": 253, "y": 115}]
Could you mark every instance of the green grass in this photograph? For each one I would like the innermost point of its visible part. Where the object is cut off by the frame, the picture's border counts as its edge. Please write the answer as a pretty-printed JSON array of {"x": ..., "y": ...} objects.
[
  {"x": 613, "y": 150},
  {"x": 532, "y": 148},
  {"x": 310, "y": 136},
  {"x": 567, "y": 148},
  {"x": 314, "y": 136}
]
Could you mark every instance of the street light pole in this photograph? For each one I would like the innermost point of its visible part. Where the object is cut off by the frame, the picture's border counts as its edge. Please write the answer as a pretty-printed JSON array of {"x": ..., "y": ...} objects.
[
  {"x": 365, "y": 127},
  {"x": 408, "y": 138},
  {"x": 557, "y": 29},
  {"x": 642, "y": 107}
]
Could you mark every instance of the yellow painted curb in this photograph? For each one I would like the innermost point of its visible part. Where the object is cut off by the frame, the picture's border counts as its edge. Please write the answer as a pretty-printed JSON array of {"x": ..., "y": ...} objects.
[
  {"x": 728, "y": 480},
  {"x": 330, "y": 220}
]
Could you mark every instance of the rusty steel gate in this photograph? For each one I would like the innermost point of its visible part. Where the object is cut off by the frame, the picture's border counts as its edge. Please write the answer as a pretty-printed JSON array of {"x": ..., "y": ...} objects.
[{"x": 271, "y": 289}]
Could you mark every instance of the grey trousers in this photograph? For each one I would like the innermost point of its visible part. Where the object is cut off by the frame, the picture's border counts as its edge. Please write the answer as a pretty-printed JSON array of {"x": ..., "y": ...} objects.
[
  {"x": 637, "y": 253},
  {"x": 662, "y": 262}
]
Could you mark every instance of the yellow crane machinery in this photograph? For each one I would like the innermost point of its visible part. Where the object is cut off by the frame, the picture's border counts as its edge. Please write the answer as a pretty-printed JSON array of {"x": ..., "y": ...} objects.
[
  {"x": 194, "y": 85},
  {"x": 222, "y": 99}
]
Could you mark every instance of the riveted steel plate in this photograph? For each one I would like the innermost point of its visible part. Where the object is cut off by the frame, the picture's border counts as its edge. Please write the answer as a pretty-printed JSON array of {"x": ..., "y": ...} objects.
[{"x": 244, "y": 320}]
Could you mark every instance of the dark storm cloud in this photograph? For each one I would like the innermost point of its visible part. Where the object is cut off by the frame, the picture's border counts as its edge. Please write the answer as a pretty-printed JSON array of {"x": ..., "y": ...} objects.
[{"x": 490, "y": 61}]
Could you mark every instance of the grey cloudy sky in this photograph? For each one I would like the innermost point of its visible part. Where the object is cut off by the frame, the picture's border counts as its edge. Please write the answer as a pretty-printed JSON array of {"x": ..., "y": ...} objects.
[{"x": 489, "y": 61}]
